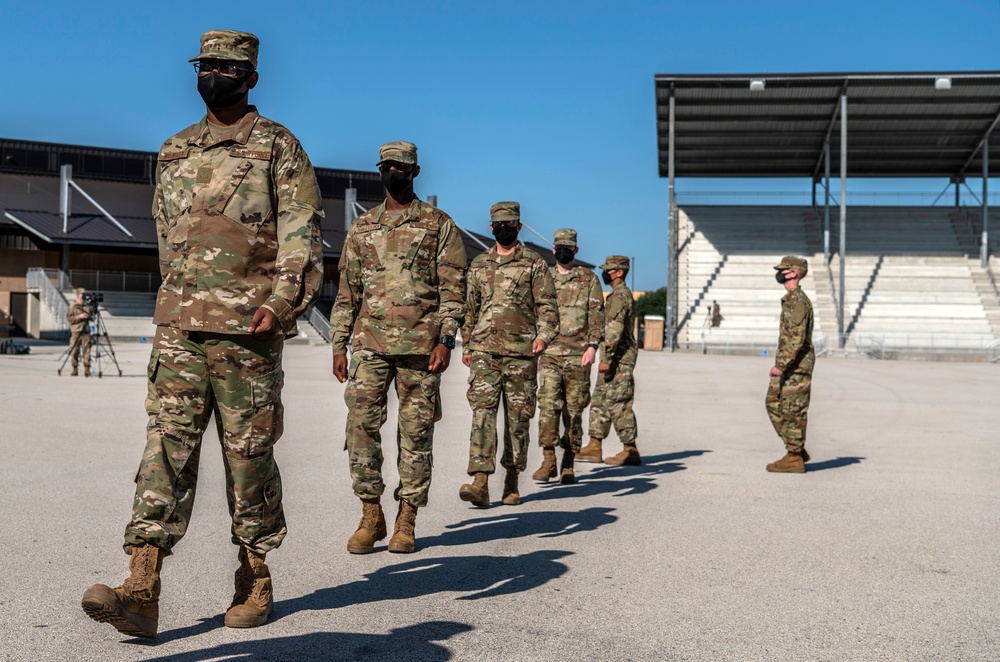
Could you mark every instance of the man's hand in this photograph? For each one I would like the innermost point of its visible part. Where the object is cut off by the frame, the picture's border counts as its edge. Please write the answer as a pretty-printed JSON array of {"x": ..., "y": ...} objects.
[
  {"x": 467, "y": 359},
  {"x": 588, "y": 357},
  {"x": 537, "y": 346},
  {"x": 440, "y": 358},
  {"x": 775, "y": 372},
  {"x": 603, "y": 367},
  {"x": 265, "y": 324},
  {"x": 340, "y": 367},
  {"x": 83, "y": 316}
]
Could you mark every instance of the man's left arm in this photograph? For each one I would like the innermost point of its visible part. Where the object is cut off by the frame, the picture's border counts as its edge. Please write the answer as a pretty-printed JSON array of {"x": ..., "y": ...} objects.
[
  {"x": 299, "y": 263},
  {"x": 792, "y": 337}
]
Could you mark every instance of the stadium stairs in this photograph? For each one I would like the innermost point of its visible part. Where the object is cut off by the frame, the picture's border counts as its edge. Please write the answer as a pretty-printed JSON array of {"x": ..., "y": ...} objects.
[{"x": 913, "y": 280}]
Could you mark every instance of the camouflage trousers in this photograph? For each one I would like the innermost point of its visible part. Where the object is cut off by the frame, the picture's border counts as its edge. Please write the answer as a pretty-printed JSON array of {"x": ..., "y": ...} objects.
[
  {"x": 514, "y": 378},
  {"x": 79, "y": 343},
  {"x": 563, "y": 393},
  {"x": 417, "y": 388},
  {"x": 787, "y": 405},
  {"x": 612, "y": 405},
  {"x": 191, "y": 376}
]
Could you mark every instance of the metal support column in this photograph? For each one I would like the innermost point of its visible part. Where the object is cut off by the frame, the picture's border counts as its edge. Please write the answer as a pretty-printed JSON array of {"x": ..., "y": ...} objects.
[
  {"x": 672, "y": 243},
  {"x": 350, "y": 210},
  {"x": 958, "y": 193},
  {"x": 842, "y": 341},
  {"x": 826, "y": 203},
  {"x": 984, "y": 248},
  {"x": 65, "y": 176}
]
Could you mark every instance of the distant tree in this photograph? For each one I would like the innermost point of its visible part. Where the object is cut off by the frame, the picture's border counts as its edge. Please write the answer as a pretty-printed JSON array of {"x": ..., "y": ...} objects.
[{"x": 652, "y": 303}]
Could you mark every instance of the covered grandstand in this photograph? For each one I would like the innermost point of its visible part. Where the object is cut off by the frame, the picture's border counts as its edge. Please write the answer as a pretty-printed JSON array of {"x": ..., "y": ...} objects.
[{"x": 886, "y": 279}]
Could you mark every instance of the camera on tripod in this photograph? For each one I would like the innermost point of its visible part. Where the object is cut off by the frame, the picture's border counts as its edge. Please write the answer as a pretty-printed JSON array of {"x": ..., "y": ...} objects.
[{"x": 92, "y": 298}]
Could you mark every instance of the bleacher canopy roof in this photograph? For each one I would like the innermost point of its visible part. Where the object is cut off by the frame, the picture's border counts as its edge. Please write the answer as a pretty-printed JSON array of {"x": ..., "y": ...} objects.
[{"x": 898, "y": 124}]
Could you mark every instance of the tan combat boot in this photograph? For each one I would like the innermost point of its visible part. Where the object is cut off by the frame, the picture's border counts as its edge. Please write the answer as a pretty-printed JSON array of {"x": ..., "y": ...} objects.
[
  {"x": 75, "y": 372},
  {"x": 792, "y": 463},
  {"x": 805, "y": 454},
  {"x": 478, "y": 493},
  {"x": 511, "y": 496},
  {"x": 403, "y": 540},
  {"x": 629, "y": 456},
  {"x": 134, "y": 607},
  {"x": 371, "y": 528},
  {"x": 566, "y": 474},
  {"x": 591, "y": 452},
  {"x": 548, "y": 468},
  {"x": 253, "y": 601}
]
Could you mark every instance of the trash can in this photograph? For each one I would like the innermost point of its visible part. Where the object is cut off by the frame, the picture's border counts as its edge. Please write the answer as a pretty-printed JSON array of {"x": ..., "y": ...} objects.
[{"x": 653, "y": 339}]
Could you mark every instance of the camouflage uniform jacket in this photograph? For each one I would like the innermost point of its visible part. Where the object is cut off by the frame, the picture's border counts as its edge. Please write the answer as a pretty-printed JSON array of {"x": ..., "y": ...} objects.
[
  {"x": 795, "y": 349},
  {"x": 511, "y": 301},
  {"x": 581, "y": 312},
  {"x": 75, "y": 310},
  {"x": 401, "y": 282},
  {"x": 619, "y": 346},
  {"x": 237, "y": 221}
]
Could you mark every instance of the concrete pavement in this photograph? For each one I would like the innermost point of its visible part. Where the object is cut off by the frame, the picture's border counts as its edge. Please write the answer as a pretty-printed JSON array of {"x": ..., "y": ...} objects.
[{"x": 886, "y": 549}]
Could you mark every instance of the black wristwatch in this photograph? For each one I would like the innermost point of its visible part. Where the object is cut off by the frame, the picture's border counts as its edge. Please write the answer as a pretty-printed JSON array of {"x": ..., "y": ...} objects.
[
  {"x": 593, "y": 344},
  {"x": 447, "y": 341}
]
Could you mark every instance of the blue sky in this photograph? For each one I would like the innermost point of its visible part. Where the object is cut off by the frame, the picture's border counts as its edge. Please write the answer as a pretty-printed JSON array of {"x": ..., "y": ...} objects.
[{"x": 548, "y": 103}]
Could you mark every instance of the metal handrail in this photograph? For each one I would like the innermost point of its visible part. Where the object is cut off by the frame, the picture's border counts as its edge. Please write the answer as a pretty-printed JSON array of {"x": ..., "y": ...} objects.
[
  {"x": 319, "y": 322},
  {"x": 40, "y": 281}
]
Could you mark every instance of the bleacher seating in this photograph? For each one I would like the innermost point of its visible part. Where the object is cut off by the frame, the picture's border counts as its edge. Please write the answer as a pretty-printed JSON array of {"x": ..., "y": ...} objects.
[{"x": 912, "y": 279}]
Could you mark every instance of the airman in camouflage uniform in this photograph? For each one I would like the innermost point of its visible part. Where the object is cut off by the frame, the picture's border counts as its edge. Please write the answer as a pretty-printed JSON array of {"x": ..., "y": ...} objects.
[
  {"x": 78, "y": 316},
  {"x": 564, "y": 367},
  {"x": 511, "y": 317},
  {"x": 787, "y": 398},
  {"x": 615, "y": 389},
  {"x": 402, "y": 274},
  {"x": 237, "y": 212}
]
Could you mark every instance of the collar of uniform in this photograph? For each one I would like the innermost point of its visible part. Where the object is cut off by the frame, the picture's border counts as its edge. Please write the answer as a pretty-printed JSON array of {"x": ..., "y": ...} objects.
[
  {"x": 237, "y": 133},
  {"x": 494, "y": 254},
  {"x": 411, "y": 213},
  {"x": 565, "y": 276}
]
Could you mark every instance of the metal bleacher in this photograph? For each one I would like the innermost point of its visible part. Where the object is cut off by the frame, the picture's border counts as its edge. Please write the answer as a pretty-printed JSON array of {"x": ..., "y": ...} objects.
[{"x": 912, "y": 282}]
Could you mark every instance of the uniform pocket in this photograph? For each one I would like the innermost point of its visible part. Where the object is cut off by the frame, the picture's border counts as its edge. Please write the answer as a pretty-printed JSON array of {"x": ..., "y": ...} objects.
[
  {"x": 152, "y": 398},
  {"x": 267, "y": 411},
  {"x": 246, "y": 198}
]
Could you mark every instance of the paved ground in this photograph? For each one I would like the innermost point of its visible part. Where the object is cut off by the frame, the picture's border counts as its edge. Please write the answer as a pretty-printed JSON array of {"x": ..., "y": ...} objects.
[{"x": 887, "y": 549}]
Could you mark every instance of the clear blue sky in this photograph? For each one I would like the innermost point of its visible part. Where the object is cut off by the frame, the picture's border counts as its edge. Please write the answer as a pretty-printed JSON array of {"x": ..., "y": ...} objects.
[{"x": 548, "y": 103}]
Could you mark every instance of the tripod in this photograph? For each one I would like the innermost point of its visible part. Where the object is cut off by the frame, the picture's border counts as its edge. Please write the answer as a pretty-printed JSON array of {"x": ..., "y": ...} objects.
[{"x": 100, "y": 344}]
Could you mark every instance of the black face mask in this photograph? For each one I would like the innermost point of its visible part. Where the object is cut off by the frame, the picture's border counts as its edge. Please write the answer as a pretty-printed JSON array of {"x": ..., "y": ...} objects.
[
  {"x": 219, "y": 91},
  {"x": 396, "y": 181},
  {"x": 606, "y": 277},
  {"x": 780, "y": 277},
  {"x": 505, "y": 235},
  {"x": 564, "y": 254}
]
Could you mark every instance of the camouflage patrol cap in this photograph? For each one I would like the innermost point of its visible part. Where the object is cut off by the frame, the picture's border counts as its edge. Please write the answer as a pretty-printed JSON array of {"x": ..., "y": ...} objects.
[
  {"x": 398, "y": 150},
  {"x": 505, "y": 211},
  {"x": 792, "y": 262},
  {"x": 228, "y": 45},
  {"x": 615, "y": 262},
  {"x": 565, "y": 237}
]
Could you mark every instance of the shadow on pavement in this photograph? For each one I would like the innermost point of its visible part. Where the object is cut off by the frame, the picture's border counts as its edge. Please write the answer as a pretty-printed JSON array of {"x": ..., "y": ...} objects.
[
  {"x": 833, "y": 464},
  {"x": 477, "y": 576},
  {"x": 413, "y": 642},
  {"x": 509, "y": 523},
  {"x": 596, "y": 481}
]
